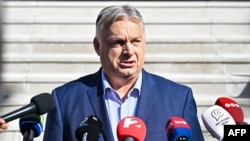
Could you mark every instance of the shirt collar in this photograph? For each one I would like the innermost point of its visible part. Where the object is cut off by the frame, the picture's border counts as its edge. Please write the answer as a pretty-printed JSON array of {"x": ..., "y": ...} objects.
[{"x": 106, "y": 84}]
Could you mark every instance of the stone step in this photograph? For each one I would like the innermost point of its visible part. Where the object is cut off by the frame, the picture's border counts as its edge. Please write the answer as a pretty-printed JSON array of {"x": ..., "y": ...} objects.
[
  {"x": 206, "y": 88},
  {"x": 67, "y": 30},
  {"x": 59, "y": 77},
  {"x": 69, "y": 19},
  {"x": 87, "y": 39},
  {"x": 157, "y": 50},
  {"x": 174, "y": 12},
  {"x": 203, "y": 99},
  {"x": 189, "y": 67},
  {"x": 157, "y": 58}
]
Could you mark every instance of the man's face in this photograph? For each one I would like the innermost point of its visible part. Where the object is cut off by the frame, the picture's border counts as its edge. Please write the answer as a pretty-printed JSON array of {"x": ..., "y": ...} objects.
[{"x": 122, "y": 49}]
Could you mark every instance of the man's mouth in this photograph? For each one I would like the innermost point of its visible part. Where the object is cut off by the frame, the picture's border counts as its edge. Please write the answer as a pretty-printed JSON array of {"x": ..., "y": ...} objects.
[{"x": 127, "y": 64}]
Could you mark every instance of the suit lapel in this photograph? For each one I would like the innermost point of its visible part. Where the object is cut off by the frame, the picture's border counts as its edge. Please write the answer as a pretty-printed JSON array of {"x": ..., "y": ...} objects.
[
  {"x": 95, "y": 95},
  {"x": 146, "y": 99}
]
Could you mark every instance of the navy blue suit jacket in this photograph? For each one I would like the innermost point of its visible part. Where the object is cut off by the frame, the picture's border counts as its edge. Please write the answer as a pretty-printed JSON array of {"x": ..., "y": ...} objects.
[{"x": 160, "y": 100}]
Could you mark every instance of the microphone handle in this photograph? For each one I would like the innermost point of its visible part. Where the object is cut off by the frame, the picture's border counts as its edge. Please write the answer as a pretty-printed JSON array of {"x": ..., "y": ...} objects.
[
  {"x": 30, "y": 108},
  {"x": 128, "y": 139},
  {"x": 28, "y": 135}
]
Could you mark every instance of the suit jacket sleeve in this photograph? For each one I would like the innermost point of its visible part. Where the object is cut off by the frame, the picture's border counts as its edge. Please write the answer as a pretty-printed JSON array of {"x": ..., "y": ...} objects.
[
  {"x": 190, "y": 114},
  {"x": 53, "y": 127}
]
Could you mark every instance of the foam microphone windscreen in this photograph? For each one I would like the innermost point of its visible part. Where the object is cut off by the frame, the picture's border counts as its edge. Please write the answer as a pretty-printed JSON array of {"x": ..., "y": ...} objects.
[
  {"x": 178, "y": 129},
  {"x": 89, "y": 130},
  {"x": 32, "y": 122},
  {"x": 232, "y": 107},
  {"x": 214, "y": 119},
  {"x": 39, "y": 104},
  {"x": 131, "y": 127},
  {"x": 44, "y": 103}
]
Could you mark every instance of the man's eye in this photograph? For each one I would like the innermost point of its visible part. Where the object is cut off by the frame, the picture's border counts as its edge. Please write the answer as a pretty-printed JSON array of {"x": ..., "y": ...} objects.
[
  {"x": 120, "y": 42},
  {"x": 117, "y": 43},
  {"x": 136, "y": 42}
]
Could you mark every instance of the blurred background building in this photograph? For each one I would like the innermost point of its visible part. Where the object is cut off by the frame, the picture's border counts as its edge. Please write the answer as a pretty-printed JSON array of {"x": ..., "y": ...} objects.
[{"x": 203, "y": 44}]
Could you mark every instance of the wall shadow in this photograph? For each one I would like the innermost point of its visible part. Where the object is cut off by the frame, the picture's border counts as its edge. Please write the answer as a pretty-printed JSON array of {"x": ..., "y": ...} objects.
[
  {"x": 245, "y": 92},
  {"x": 4, "y": 94}
]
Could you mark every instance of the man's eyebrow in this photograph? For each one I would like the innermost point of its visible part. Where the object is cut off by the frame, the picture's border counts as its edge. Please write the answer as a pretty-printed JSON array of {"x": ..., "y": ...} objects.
[{"x": 115, "y": 38}]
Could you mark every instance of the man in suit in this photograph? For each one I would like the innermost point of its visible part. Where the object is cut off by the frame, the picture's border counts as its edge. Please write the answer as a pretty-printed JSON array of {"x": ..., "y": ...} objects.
[{"x": 121, "y": 87}]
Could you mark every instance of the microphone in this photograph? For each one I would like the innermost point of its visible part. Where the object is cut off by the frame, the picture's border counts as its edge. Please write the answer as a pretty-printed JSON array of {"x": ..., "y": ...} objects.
[
  {"x": 177, "y": 129},
  {"x": 233, "y": 108},
  {"x": 39, "y": 104},
  {"x": 131, "y": 128},
  {"x": 214, "y": 119},
  {"x": 31, "y": 126},
  {"x": 89, "y": 130}
]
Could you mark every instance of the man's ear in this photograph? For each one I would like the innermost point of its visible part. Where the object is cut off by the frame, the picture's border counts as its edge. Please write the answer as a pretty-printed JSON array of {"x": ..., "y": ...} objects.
[{"x": 96, "y": 45}]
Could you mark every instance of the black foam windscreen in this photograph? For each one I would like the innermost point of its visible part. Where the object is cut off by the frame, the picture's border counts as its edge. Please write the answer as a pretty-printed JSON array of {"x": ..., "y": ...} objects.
[
  {"x": 44, "y": 103},
  {"x": 89, "y": 129}
]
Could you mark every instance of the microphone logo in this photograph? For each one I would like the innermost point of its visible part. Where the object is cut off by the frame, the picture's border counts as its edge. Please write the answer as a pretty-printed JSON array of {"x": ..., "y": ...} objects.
[
  {"x": 131, "y": 128},
  {"x": 232, "y": 105},
  {"x": 180, "y": 122},
  {"x": 177, "y": 129},
  {"x": 217, "y": 114},
  {"x": 131, "y": 121}
]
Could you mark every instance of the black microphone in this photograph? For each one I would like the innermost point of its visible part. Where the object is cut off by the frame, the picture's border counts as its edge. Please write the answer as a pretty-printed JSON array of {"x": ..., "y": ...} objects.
[
  {"x": 39, "y": 104},
  {"x": 89, "y": 130}
]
